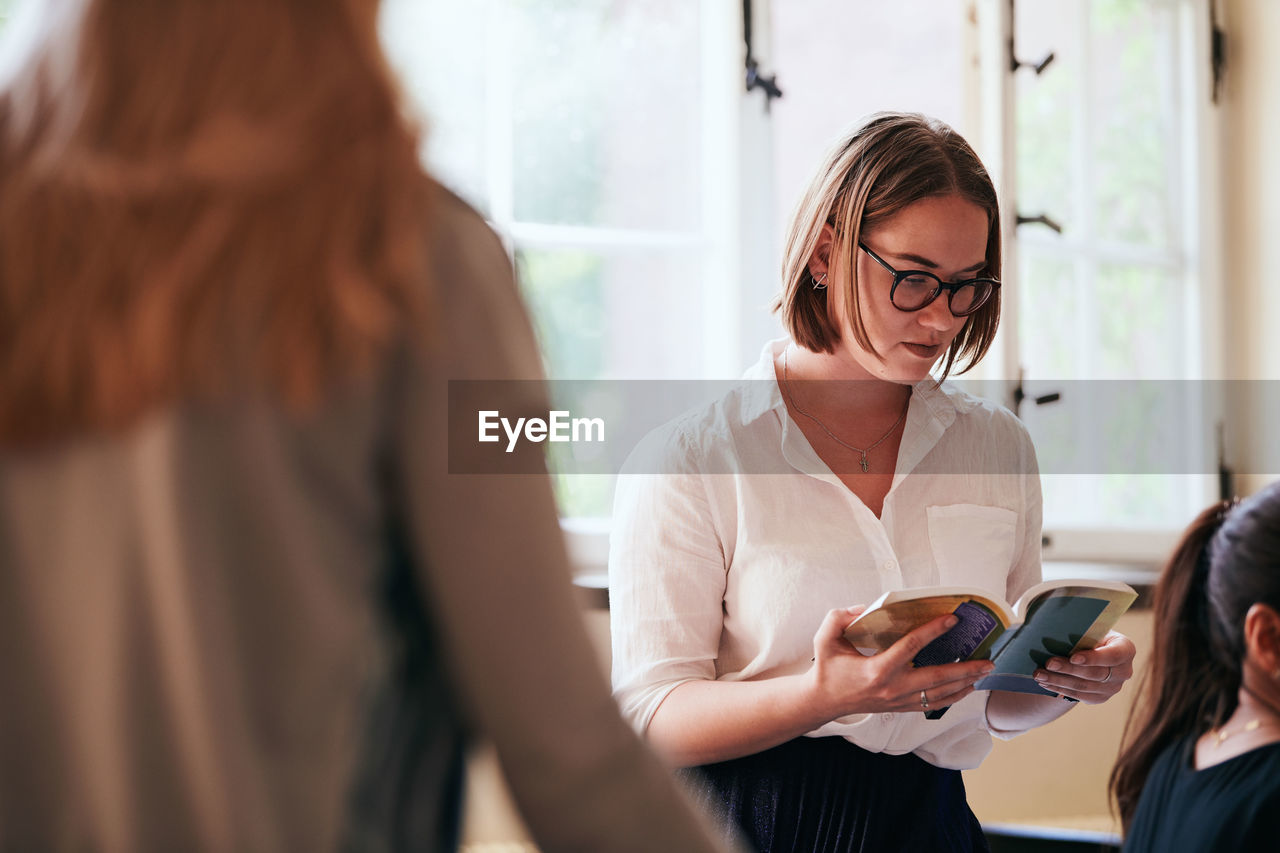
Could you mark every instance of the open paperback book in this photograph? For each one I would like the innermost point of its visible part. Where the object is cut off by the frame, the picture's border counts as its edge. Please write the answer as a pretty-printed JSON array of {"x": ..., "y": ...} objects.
[{"x": 1052, "y": 619}]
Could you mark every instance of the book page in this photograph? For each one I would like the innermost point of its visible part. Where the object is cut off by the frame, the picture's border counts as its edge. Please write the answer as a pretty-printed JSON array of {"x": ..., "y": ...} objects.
[
  {"x": 1055, "y": 627},
  {"x": 1115, "y": 595}
]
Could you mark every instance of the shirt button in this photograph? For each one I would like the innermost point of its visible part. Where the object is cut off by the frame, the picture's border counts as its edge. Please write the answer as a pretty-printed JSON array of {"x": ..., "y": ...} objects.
[
  {"x": 890, "y": 565},
  {"x": 888, "y": 718}
]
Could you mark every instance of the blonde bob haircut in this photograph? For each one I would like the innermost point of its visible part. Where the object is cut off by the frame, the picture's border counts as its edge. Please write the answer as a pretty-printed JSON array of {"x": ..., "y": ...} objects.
[{"x": 874, "y": 171}]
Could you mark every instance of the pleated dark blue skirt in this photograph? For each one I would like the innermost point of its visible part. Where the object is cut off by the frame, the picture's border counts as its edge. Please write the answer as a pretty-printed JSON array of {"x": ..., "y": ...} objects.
[{"x": 828, "y": 795}]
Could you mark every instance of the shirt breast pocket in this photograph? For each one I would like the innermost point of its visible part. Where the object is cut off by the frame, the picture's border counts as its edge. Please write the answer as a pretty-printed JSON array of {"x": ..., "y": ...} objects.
[{"x": 973, "y": 545}]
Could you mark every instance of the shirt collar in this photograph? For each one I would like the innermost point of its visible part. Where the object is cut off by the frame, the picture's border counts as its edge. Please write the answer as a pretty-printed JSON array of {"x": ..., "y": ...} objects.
[
  {"x": 761, "y": 393},
  {"x": 933, "y": 408}
]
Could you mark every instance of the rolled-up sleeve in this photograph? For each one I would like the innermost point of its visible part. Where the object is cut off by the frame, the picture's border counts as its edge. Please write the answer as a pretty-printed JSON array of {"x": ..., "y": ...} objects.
[{"x": 667, "y": 568}]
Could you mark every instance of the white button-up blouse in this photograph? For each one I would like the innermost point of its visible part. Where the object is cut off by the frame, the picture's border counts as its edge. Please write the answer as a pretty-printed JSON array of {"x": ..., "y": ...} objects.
[{"x": 732, "y": 539}]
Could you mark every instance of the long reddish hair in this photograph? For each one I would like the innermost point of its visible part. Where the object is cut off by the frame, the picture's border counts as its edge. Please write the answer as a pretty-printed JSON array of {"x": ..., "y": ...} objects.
[{"x": 199, "y": 197}]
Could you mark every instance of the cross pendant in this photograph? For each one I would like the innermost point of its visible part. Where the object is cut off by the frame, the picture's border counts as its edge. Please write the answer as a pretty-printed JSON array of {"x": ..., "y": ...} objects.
[{"x": 865, "y": 466}]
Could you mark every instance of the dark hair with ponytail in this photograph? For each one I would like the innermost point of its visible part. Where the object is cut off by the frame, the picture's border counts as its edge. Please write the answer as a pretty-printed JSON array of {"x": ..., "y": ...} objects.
[{"x": 1228, "y": 560}]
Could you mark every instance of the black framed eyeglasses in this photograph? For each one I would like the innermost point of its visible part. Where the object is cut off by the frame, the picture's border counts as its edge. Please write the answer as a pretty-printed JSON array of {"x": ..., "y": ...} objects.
[{"x": 914, "y": 289}]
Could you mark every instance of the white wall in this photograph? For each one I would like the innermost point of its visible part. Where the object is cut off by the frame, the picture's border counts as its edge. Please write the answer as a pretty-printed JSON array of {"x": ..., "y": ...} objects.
[{"x": 1251, "y": 195}]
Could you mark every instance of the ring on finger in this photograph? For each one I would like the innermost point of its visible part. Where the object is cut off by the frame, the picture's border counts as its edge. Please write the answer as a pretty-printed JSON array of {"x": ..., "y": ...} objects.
[
  {"x": 924, "y": 700},
  {"x": 1108, "y": 678}
]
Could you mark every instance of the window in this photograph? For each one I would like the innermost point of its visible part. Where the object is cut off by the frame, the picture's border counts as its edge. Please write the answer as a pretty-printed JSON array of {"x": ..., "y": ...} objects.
[
  {"x": 1111, "y": 140},
  {"x": 599, "y": 138},
  {"x": 592, "y": 136},
  {"x": 643, "y": 195}
]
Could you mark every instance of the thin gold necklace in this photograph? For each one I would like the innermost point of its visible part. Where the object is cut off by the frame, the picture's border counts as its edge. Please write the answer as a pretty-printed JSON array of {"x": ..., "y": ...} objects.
[
  {"x": 866, "y": 467},
  {"x": 1252, "y": 725},
  {"x": 1222, "y": 734}
]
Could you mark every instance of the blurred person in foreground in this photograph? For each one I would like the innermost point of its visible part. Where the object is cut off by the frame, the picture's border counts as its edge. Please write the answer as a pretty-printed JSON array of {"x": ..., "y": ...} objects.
[
  {"x": 243, "y": 604},
  {"x": 1199, "y": 768}
]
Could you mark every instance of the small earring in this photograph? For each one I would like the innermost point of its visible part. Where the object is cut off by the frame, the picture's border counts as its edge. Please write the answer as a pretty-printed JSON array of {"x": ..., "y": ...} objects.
[{"x": 820, "y": 283}]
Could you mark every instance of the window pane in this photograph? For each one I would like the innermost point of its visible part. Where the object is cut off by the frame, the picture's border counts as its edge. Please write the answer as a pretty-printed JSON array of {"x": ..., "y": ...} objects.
[
  {"x": 1144, "y": 499},
  {"x": 1097, "y": 134},
  {"x": 616, "y": 316},
  {"x": 1049, "y": 303},
  {"x": 582, "y": 495},
  {"x": 1132, "y": 145},
  {"x": 1116, "y": 453},
  {"x": 629, "y": 315},
  {"x": 1118, "y": 501},
  {"x": 1139, "y": 317},
  {"x": 565, "y": 292},
  {"x": 1045, "y": 112},
  {"x": 605, "y": 96}
]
